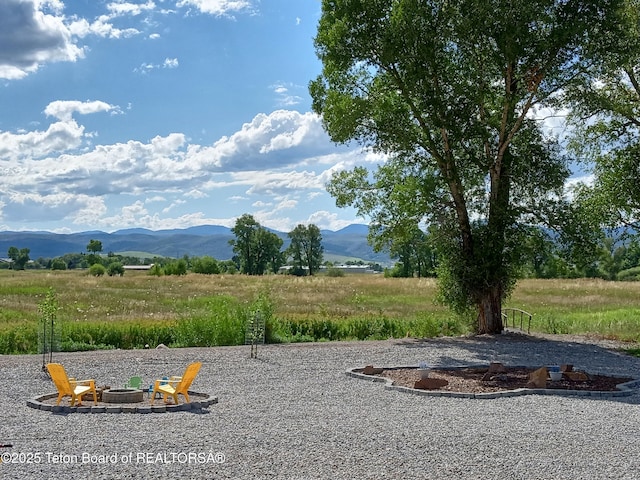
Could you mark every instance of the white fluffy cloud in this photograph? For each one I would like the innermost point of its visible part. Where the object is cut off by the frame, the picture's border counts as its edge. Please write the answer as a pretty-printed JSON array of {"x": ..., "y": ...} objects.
[
  {"x": 278, "y": 139},
  {"x": 218, "y": 8},
  {"x": 276, "y": 162},
  {"x": 64, "y": 109},
  {"x": 30, "y": 37}
]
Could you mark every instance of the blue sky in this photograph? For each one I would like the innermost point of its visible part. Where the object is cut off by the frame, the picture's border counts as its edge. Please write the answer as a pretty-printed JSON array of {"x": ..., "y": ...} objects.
[{"x": 163, "y": 114}]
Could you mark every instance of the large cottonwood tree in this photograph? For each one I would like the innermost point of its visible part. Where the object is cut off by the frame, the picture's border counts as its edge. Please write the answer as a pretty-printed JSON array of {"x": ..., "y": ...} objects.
[{"x": 449, "y": 90}]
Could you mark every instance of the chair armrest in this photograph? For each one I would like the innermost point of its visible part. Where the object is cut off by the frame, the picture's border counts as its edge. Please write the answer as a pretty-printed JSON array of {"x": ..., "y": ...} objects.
[
  {"x": 166, "y": 382},
  {"x": 90, "y": 381}
]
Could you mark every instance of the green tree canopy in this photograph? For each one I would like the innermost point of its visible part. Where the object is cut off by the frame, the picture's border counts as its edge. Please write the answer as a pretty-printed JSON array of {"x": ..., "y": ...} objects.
[
  {"x": 606, "y": 121},
  {"x": 94, "y": 246},
  {"x": 305, "y": 249},
  {"x": 448, "y": 91},
  {"x": 256, "y": 247},
  {"x": 19, "y": 257}
]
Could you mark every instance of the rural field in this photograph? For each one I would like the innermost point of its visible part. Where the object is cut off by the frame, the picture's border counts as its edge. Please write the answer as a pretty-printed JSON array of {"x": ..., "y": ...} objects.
[{"x": 206, "y": 310}]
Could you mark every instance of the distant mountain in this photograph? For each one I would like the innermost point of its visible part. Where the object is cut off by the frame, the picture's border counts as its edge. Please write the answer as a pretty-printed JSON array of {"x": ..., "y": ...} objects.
[{"x": 349, "y": 242}]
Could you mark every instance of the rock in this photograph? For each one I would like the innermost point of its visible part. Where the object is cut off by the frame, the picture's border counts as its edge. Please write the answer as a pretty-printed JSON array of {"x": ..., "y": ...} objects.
[
  {"x": 370, "y": 370},
  {"x": 497, "y": 367},
  {"x": 538, "y": 378},
  {"x": 566, "y": 368},
  {"x": 161, "y": 346},
  {"x": 576, "y": 376},
  {"x": 430, "y": 383}
]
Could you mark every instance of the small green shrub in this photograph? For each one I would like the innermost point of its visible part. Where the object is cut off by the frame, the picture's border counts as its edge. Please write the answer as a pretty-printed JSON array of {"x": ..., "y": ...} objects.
[
  {"x": 115, "y": 269},
  {"x": 58, "y": 264},
  {"x": 97, "y": 270},
  {"x": 630, "y": 274},
  {"x": 334, "y": 272}
]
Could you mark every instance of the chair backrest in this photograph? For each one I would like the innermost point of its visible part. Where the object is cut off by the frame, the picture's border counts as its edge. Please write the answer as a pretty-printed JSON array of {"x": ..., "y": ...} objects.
[
  {"x": 135, "y": 382},
  {"x": 187, "y": 379},
  {"x": 60, "y": 379}
]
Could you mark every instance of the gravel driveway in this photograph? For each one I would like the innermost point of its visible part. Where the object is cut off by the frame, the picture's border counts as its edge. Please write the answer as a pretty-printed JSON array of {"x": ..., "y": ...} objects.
[{"x": 294, "y": 414}]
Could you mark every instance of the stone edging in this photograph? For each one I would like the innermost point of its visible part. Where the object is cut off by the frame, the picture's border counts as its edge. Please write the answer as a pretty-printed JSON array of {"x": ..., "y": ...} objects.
[
  {"x": 201, "y": 401},
  {"x": 624, "y": 389}
]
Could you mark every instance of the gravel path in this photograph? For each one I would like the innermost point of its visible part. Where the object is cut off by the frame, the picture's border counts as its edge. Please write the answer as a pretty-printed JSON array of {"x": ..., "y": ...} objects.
[{"x": 294, "y": 414}]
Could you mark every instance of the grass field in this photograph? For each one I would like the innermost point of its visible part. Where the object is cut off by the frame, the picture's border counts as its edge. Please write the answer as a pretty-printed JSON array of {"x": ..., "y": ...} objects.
[{"x": 201, "y": 310}]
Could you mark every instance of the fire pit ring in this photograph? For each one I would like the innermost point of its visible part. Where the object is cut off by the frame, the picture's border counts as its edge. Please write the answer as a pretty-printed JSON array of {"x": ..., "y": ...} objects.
[{"x": 122, "y": 395}]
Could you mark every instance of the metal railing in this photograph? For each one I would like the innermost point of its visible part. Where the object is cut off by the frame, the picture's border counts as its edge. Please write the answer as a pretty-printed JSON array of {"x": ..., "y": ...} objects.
[{"x": 514, "y": 314}]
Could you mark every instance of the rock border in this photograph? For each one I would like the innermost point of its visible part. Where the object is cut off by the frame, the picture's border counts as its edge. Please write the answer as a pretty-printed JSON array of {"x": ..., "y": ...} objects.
[
  {"x": 198, "y": 402},
  {"x": 624, "y": 389}
]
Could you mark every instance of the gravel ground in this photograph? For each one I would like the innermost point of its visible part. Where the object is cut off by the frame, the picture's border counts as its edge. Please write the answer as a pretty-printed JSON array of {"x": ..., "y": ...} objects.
[{"x": 294, "y": 414}]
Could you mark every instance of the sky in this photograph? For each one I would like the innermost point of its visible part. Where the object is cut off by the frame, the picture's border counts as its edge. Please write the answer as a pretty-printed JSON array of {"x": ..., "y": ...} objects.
[{"x": 163, "y": 114}]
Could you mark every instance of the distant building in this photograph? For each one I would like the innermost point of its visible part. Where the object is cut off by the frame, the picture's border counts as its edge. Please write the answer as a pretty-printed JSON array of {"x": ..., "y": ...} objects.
[
  {"x": 352, "y": 268},
  {"x": 138, "y": 267},
  {"x": 363, "y": 269}
]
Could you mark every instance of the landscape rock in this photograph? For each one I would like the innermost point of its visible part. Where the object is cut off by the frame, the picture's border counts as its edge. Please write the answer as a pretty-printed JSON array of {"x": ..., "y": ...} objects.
[
  {"x": 431, "y": 383},
  {"x": 496, "y": 367},
  {"x": 370, "y": 370},
  {"x": 538, "y": 378},
  {"x": 576, "y": 376}
]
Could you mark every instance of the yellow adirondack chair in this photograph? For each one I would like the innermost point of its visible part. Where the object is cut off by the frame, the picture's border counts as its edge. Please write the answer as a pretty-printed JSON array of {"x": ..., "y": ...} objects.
[
  {"x": 176, "y": 385},
  {"x": 70, "y": 387}
]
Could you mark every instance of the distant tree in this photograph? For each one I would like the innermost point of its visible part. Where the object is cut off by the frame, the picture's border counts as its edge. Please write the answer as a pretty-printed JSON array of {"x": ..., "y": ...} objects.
[
  {"x": 115, "y": 269},
  {"x": 410, "y": 245},
  {"x": 244, "y": 244},
  {"x": 256, "y": 248},
  {"x": 205, "y": 265},
  {"x": 178, "y": 267},
  {"x": 58, "y": 264},
  {"x": 228, "y": 266},
  {"x": 97, "y": 270},
  {"x": 94, "y": 246},
  {"x": 75, "y": 260},
  {"x": 268, "y": 255},
  {"x": 19, "y": 257},
  {"x": 156, "y": 270},
  {"x": 306, "y": 248}
]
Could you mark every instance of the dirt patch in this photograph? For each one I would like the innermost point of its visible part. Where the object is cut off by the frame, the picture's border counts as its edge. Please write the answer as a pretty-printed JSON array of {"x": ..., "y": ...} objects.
[{"x": 475, "y": 380}]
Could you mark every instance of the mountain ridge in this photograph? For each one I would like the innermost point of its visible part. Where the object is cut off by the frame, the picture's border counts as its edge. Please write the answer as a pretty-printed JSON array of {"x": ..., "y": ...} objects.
[{"x": 197, "y": 241}]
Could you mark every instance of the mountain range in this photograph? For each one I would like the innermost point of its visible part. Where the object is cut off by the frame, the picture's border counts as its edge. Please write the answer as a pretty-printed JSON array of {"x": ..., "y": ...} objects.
[{"x": 213, "y": 240}]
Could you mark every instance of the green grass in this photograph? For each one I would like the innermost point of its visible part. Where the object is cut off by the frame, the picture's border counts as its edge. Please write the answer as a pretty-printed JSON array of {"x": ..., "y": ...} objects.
[{"x": 207, "y": 310}]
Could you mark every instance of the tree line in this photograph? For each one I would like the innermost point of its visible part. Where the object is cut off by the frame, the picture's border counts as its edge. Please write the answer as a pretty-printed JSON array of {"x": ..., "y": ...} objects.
[{"x": 256, "y": 251}]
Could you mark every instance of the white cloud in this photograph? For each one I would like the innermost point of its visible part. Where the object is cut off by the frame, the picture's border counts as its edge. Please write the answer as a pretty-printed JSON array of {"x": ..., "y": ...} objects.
[
  {"x": 329, "y": 221},
  {"x": 33, "y": 33},
  {"x": 127, "y": 8},
  {"x": 276, "y": 183},
  {"x": 272, "y": 161},
  {"x": 284, "y": 97},
  {"x": 101, "y": 27},
  {"x": 281, "y": 138},
  {"x": 218, "y": 8},
  {"x": 64, "y": 109},
  {"x": 170, "y": 63},
  {"x": 59, "y": 137},
  {"x": 37, "y": 207},
  {"x": 147, "y": 67}
]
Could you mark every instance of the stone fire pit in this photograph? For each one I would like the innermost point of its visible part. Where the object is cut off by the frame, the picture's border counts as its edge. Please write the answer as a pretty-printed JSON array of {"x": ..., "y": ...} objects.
[{"x": 122, "y": 395}]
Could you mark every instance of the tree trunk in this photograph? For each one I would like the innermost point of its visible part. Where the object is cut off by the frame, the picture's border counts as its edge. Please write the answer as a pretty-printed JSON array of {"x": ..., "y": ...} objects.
[{"x": 490, "y": 312}]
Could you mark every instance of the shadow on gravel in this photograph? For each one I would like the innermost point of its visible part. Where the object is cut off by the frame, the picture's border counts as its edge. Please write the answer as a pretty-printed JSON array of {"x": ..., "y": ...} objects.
[{"x": 517, "y": 349}]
